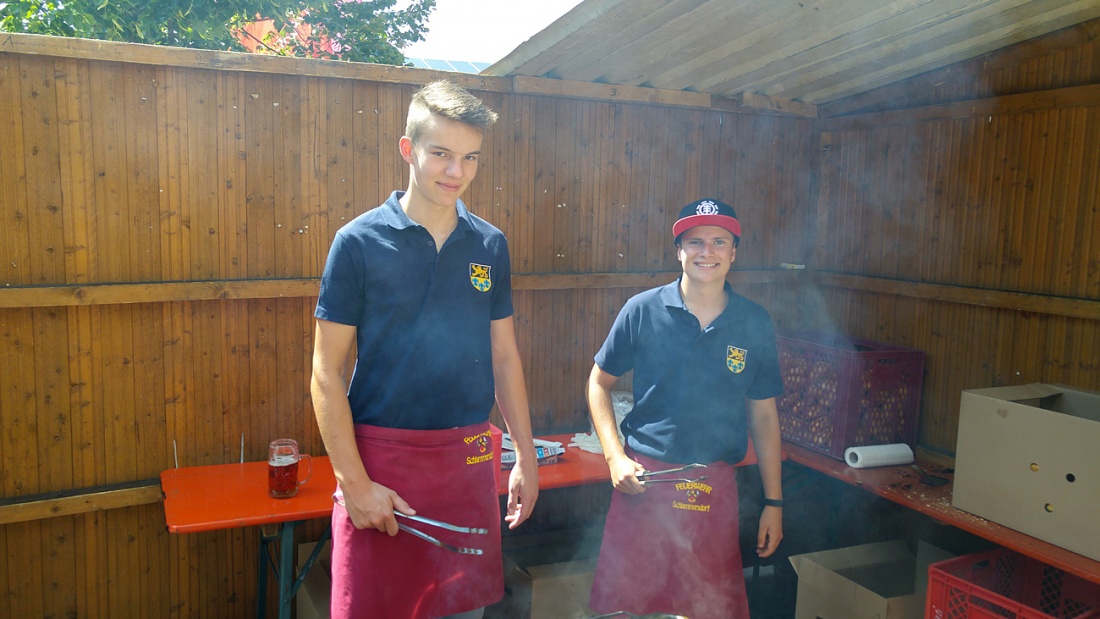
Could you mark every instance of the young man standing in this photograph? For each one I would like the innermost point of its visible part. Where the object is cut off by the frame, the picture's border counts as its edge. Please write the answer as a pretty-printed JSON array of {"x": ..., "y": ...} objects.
[
  {"x": 419, "y": 289},
  {"x": 706, "y": 374}
]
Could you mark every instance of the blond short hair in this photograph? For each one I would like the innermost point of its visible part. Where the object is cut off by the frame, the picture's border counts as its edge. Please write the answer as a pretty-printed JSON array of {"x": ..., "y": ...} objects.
[{"x": 450, "y": 101}]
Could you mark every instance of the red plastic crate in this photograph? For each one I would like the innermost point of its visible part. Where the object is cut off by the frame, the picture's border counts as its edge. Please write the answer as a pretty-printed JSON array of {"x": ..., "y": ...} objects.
[
  {"x": 842, "y": 392},
  {"x": 1007, "y": 585}
]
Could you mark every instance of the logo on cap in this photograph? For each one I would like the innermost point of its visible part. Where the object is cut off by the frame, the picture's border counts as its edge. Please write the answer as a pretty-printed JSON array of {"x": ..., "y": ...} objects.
[
  {"x": 706, "y": 207},
  {"x": 707, "y": 212}
]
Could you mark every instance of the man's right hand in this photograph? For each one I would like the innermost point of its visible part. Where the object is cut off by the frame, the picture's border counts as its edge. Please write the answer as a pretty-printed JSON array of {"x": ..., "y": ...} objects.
[
  {"x": 624, "y": 475},
  {"x": 373, "y": 507}
]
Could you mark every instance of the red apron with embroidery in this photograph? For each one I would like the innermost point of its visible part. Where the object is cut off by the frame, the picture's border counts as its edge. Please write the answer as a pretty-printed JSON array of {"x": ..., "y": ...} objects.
[
  {"x": 447, "y": 475},
  {"x": 674, "y": 549}
]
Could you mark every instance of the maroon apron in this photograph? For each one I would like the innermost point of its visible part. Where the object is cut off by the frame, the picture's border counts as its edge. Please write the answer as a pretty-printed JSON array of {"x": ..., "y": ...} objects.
[
  {"x": 674, "y": 549},
  {"x": 447, "y": 475}
]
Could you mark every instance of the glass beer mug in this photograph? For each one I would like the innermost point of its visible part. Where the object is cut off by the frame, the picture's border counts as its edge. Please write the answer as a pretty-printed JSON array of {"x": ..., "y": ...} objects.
[{"x": 282, "y": 468}]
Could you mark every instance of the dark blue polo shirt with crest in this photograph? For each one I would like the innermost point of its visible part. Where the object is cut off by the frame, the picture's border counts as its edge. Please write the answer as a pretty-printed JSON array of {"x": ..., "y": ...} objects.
[
  {"x": 690, "y": 385},
  {"x": 422, "y": 317}
]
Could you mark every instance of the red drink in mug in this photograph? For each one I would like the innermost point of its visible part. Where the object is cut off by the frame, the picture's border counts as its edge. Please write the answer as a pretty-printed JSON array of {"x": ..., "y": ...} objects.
[
  {"x": 282, "y": 468},
  {"x": 282, "y": 476}
]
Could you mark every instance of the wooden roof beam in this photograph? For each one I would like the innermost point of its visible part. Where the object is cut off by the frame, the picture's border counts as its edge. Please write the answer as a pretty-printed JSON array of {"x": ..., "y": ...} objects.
[
  {"x": 756, "y": 101},
  {"x": 611, "y": 92}
]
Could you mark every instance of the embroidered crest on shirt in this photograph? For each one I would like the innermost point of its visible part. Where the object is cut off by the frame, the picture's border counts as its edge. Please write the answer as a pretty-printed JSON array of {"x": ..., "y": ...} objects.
[
  {"x": 479, "y": 277},
  {"x": 735, "y": 359},
  {"x": 694, "y": 492},
  {"x": 483, "y": 444}
]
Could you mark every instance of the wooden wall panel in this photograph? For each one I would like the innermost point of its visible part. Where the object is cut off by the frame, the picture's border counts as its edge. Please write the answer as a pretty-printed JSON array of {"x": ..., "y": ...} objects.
[
  {"x": 159, "y": 175},
  {"x": 205, "y": 211},
  {"x": 998, "y": 203},
  {"x": 154, "y": 377},
  {"x": 1002, "y": 202},
  {"x": 13, "y": 200}
]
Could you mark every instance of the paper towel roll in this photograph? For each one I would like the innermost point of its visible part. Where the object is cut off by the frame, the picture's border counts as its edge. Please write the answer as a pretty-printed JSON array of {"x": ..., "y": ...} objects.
[{"x": 878, "y": 455}]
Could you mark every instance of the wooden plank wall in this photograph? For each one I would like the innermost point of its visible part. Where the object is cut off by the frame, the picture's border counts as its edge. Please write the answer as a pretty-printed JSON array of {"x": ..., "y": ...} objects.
[
  {"x": 166, "y": 214},
  {"x": 966, "y": 227}
]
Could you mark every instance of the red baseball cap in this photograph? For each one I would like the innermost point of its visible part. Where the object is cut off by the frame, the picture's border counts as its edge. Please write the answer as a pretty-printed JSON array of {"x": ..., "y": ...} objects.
[{"x": 707, "y": 212}]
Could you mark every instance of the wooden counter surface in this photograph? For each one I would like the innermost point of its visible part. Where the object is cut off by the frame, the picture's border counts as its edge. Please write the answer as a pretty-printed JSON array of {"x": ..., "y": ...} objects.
[{"x": 901, "y": 484}]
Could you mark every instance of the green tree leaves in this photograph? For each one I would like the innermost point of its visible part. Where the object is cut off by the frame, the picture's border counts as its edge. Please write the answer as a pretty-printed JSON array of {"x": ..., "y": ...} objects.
[{"x": 359, "y": 30}]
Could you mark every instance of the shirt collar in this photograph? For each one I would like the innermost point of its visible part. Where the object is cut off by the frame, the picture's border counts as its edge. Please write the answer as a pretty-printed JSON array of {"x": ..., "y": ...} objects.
[
  {"x": 397, "y": 218},
  {"x": 670, "y": 296}
]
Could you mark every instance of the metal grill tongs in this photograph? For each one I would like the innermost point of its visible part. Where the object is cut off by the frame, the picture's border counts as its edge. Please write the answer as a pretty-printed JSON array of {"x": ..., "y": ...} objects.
[
  {"x": 622, "y": 614},
  {"x": 647, "y": 476},
  {"x": 339, "y": 499},
  {"x": 443, "y": 525}
]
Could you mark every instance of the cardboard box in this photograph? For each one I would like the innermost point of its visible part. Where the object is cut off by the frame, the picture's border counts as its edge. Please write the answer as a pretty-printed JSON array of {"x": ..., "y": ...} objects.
[
  {"x": 316, "y": 591},
  {"x": 873, "y": 581},
  {"x": 1026, "y": 458},
  {"x": 551, "y": 591}
]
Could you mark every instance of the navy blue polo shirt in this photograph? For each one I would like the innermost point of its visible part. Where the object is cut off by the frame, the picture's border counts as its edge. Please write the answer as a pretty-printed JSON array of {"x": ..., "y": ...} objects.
[
  {"x": 422, "y": 317},
  {"x": 690, "y": 385}
]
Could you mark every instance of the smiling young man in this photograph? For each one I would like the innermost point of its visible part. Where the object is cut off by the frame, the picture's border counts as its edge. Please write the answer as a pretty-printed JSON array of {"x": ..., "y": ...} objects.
[
  {"x": 419, "y": 290},
  {"x": 706, "y": 374}
]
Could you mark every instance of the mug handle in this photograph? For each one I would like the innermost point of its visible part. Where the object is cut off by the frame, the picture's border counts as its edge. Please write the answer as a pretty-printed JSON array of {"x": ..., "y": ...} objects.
[{"x": 310, "y": 472}]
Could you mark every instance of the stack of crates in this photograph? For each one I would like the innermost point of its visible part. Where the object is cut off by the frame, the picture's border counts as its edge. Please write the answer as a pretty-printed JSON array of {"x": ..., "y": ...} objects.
[
  {"x": 1001, "y": 583},
  {"x": 842, "y": 392}
]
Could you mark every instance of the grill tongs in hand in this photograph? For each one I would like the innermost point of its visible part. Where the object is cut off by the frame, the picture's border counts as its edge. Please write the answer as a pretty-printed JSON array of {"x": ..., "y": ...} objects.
[
  {"x": 442, "y": 525},
  {"x": 339, "y": 499},
  {"x": 647, "y": 476}
]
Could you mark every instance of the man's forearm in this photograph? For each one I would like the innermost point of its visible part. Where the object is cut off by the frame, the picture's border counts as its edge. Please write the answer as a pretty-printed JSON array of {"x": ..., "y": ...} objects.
[
  {"x": 512, "y": 400},
  {"x": 334, "y": 420},
  {"x": 767, "y": 442},
  {"x": 602, "y": 411}
]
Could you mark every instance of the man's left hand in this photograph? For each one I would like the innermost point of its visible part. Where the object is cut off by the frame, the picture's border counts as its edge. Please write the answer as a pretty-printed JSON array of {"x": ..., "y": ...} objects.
[
  {"x": 771, "y": 531},
  {"x": 523, "y": 492}
]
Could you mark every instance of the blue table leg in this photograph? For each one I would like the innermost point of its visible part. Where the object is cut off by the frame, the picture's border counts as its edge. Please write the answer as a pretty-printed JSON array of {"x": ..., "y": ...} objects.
[
  {"x": 286, "y": 569},
  {"x": 288, "y": 583},
  {"x": 261, "y": 577},
  {"x": 308, "y": 565}
]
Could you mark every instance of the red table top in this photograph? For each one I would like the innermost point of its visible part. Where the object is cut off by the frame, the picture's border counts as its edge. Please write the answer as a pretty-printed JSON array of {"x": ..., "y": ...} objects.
[
  {"x": 225, "y": 496},
  {"x": 577, "y": 466}
]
